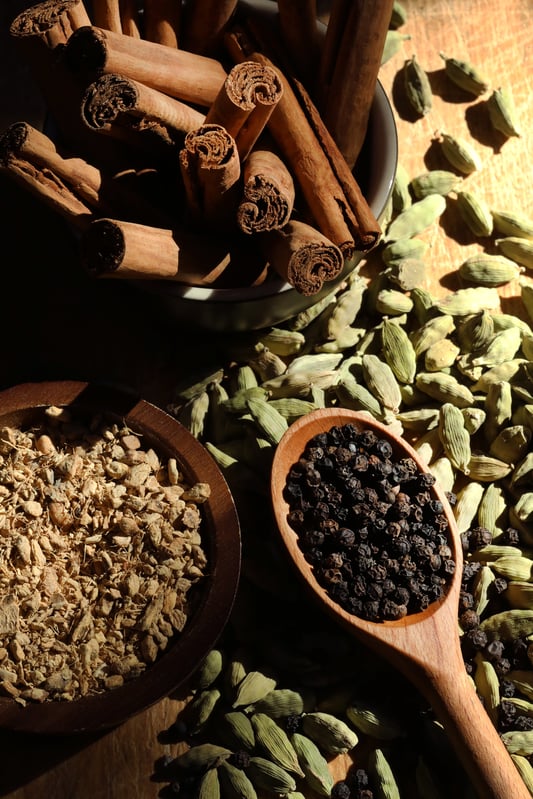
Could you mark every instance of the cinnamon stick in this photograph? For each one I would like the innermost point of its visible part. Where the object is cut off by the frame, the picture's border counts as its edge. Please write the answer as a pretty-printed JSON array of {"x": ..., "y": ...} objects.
[
  {"x": 306, "y": 160},
  {"x": 111, "y": 248},
  {"x": 192, "y": 78},
  {"x": 302, "y": 256},
  {"x": 46, "y": 186},
  {"x": 348, "y": 90},
  {"x": 40, "y": 34},
  {"x": 245, "y": 103},
  {"x": 210, "y": 168},
  {"x": 268, "y": 193},
  {"x": 299, "y": 32},
  {"x": 129, "y": 18},
  {"x": 106, "y": 14},
  {"x": 114, "y": 99},
  {"x": 204, "y": 23},
  {"x": 162, "y": 21},
  {"x": 24, "y": 143}
]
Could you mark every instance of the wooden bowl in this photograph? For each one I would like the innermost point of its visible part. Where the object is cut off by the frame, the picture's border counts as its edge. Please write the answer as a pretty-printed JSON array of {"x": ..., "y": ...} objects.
[{"x": 23, "y": 405}]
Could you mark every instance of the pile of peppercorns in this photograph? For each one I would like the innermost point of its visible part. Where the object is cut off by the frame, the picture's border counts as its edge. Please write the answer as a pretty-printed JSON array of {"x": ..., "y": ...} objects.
[{"x": 371, "y": 526}]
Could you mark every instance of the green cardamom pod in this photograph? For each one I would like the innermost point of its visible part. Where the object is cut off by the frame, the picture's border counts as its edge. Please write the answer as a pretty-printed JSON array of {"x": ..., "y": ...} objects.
[
  {"x": 502, "y": 113},
  {"x": 407, "y": 274},
  {"x": 465, "y": 75},
  {"x": 200, "y": 709},
  {"x": 276, "y": 743},
  {"x": 518, "y": 249},
  {"x": 417, "y": 87},
  {"x": 519, "y": 594},
  {"x": 400, "y": 195},
  {"x": 475, "y": 213},
  {"x": 523, "y": 473},
  {"x": 509, "y": 223},
  {"x": 252, "y": 688},
  {"x": 235, "y": 782},
  {"x": 488, "y": 686},
  {"x": 331, "y": 734},
  {"x": 441, "y": 355},
  {"x": 381, "y": 382},
  {"x": 525, "y": 769},
  {"x": 397, "y": 250},
  {"x": 514, "y": 567},
  {"x": 445, "y": 388},
  {"x": 443, "y": 471},
  {"x": 492, "y": 511},
  {"x": 454, "y": 436},
  {"x": 393, "y": 43},
  {"x": 382, "y": 775},
  {"x": 373, "y": 720},
  {"x": 511, "y": 444},
  {"x": 475, "y": 332},
  {"x": 518, "y": 742},
  {"x": 431, "y": 331},
  {"x": 269, "y": 776},
  {"x": 436, "y": 181},
  {"x": 467, "y": 504},
  {"x": 313, "y": 763},
  {"x": 239, "y": 729},
  {"x": 415, "y": 219},
  {"x": 460, "y": 153},
  {"x": 465, "y": 302},
  {"x": 269, "y": 420},
  {"x": 356, "y": 397},
  {"x": 391, "y": 302},
  {"x": 486, "y": 269},
  {"x": 209, "y": 787},
  {"x": 209, "y": 669},
  {"x": 281, "y": 702},
  {"x": 283, "y": 342},
  {"x": 201, "y": 757},
  {"x": 484, "y": 468},
  {"x": 398, "y": 15},
  {"x": 481, "y": 588},
  {"x": 502, "y": 348}
]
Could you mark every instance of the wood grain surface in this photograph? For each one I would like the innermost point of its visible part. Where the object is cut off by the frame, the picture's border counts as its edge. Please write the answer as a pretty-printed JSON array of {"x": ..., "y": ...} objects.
[{"x": 127, "y": 344}]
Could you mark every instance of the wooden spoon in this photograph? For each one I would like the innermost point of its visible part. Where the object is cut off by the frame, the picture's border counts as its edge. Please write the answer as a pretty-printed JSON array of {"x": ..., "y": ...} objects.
[{"x": 424, "y": 646}]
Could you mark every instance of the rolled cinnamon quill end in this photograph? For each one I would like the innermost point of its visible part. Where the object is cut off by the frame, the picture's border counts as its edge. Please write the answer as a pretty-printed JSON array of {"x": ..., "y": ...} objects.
[
  {"x": 302, "y": 256},
  {"x": 268, "y": 193},
  {"x": 113, "y": 97},
  {"x": 52, "y": 21},
  {"x": 125, "y": 249},
  {"x": 211, "y": 169},
  {"x": 245, "y": 102},
  {"x": 189, "y": 77},
  {"x": 112, "y": 248}
]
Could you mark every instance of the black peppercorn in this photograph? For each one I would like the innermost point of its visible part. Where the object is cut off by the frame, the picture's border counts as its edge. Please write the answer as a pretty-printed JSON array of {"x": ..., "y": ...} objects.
[{"x": 370, "y": 525}]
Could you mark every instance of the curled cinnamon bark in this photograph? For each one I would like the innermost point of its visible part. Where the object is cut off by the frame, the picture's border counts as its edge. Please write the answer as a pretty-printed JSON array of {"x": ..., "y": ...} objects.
[
  {"x": 350, "y": 76},
  {"x": 162, "y": 21},
  {"x": 268, "y": 193},
  {"x": 211, "y": 169},
  {"x": 52, "y": 22},
  {"x": 23, "y": 143},
  {"x": 298, "y": 26},
  {"x": 189, "y": 77},
  {"x": 106, "y": 14},
  {"x": 118, "y": 249},
  {"x": 302, "y": 256},
  {"x": 42, "y": 183},
  {"x": 41, "y": 33},
  {"x": 113, "y": 97},
  {"x": 245, "y": 102},
  {"x": 204, "y": 22}
]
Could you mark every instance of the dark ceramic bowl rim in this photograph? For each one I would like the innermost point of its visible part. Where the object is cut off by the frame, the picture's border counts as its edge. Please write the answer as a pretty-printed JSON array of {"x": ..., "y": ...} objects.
[{"x": 178, "y": 663}]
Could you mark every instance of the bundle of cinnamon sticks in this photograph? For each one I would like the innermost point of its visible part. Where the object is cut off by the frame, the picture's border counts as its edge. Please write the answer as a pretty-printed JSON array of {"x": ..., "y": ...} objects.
[{"x": 181, "y": 125}]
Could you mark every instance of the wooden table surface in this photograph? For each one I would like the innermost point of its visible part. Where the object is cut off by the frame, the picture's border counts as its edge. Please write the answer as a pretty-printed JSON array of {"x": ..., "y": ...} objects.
[{"x": 53, "y": 326}]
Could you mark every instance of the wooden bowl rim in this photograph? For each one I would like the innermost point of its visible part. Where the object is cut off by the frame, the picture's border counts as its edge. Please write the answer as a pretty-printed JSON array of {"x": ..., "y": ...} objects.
[
  {"x": 290, "y": 447},
  {"x": 178, "y": 663}
]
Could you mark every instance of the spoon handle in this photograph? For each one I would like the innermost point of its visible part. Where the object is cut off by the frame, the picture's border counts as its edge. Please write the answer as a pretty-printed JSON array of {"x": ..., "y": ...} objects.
[{"x": 474, "y": 737}]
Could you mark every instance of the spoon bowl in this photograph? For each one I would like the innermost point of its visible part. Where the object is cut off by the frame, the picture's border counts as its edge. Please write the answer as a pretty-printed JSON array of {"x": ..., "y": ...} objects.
[{"x": 424, "y": 646}]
